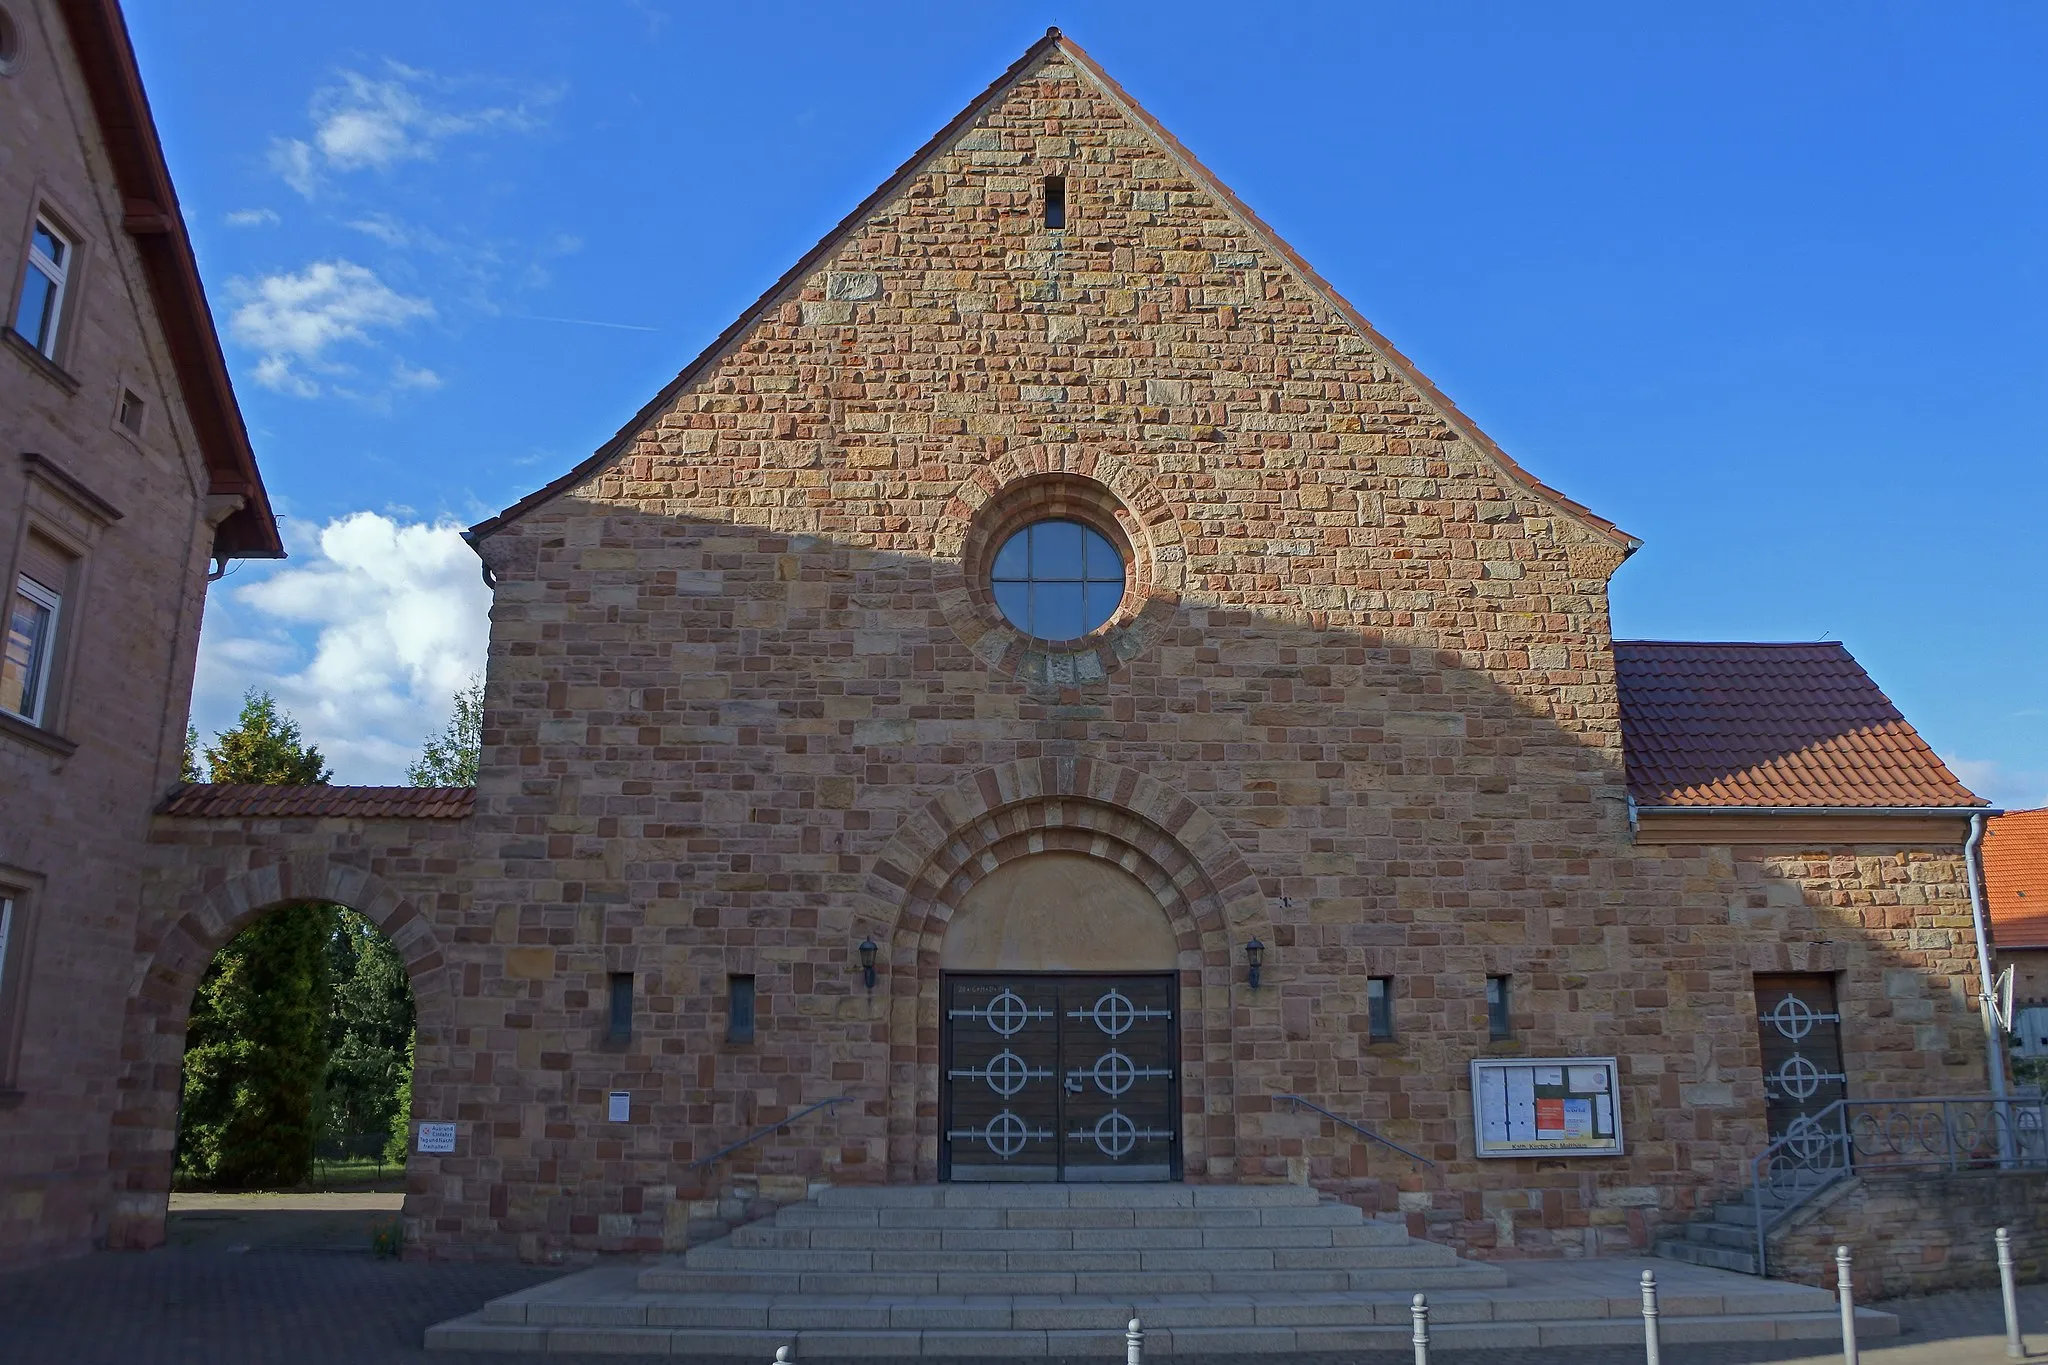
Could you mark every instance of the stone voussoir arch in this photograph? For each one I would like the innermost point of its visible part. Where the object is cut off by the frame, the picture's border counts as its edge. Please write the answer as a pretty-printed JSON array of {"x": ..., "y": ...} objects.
[
  {"x": 174, "y": 950},
  {"x": 1202, "y": 883}
]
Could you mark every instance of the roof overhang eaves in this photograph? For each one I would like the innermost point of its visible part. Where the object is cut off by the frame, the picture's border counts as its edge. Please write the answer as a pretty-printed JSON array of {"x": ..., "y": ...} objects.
[
  {"x": 156, "y": 224},
  {"x": 1915, "y": 812}
]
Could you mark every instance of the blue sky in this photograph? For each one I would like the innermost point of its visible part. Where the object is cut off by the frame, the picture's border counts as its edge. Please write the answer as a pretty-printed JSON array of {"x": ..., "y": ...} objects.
[{"x": 1764, "y": 284}]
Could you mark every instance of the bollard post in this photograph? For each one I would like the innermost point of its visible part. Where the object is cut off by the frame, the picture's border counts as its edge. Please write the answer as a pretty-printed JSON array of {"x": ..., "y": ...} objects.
[
  {"x": 1652, "y": 1347},
  {"x": 1134, "y": 1344},
  {"x": 2014, "y": 1346},
  {"x": 1420, "y": 1312},
  {"x": 782, "y": 1355},
  {"x": 1847, "y": 1292}
]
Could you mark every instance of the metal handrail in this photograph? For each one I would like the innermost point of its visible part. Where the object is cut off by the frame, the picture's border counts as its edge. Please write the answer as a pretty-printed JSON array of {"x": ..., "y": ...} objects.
[
  {"x": 1824, "y": 1146},
  {"x": 760, "y": 1133},
  {"x": 1300, "y": 1103}
]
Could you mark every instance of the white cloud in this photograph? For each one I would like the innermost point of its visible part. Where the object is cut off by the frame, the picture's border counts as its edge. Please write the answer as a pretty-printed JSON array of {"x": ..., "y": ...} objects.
[
  {"x": 384, "y": 228},
  {"x": 1999, "y": 782},
  {"x": 297, "y": 319},
  {"x": 253, "y": 218},
  {"x": 363, "y": 636},
  {"x": 406, "y": 377},
  {"x": 368, "y": 123},
  {"x": 293, "y": 161}
]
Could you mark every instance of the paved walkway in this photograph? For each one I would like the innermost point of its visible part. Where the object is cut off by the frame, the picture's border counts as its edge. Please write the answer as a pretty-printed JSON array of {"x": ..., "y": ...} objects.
[{"x": 249, "y": 1292}]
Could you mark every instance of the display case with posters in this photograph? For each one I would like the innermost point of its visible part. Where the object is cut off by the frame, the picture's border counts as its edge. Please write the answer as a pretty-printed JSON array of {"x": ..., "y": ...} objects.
[{"x": 1546, "y": 1106}]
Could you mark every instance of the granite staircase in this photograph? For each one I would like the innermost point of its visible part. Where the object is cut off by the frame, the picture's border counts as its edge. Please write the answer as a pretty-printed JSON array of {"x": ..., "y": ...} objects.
[{"x": 1037, "y": 1270}]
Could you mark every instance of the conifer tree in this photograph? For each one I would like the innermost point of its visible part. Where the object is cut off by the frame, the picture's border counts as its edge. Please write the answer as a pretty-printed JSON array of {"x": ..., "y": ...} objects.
[{"x": 256, "y": 1046}]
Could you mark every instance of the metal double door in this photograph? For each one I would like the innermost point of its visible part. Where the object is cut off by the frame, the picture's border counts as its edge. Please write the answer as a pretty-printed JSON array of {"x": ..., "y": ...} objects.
[{"x": 1046, "y": 1076}]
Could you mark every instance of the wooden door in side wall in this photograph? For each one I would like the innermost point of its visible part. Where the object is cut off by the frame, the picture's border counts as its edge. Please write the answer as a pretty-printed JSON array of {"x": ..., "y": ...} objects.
[{"x": 1800, "y": 1026}]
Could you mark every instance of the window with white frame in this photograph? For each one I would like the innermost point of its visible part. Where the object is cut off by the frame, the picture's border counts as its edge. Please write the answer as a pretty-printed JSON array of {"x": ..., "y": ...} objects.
[
  {"x": 41, "y": 310},
  {"x": 31, "y": 646}
]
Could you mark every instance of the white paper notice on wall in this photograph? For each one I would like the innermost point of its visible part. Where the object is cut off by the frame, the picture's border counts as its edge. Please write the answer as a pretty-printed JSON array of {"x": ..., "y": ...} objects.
[
  {"x": 437, "y": 1137},
  {"x": 620, "y": 1110},
  {"x": 1587, "y": 1080}
]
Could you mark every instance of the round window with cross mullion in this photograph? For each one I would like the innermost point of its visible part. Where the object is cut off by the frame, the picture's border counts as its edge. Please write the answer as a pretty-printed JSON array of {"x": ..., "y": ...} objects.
[{"x": 1058, "y": 580}]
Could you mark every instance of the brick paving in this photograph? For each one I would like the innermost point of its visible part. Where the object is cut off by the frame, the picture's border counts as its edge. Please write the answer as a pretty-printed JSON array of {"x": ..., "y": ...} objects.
[{"x": 206, "y": 1304}]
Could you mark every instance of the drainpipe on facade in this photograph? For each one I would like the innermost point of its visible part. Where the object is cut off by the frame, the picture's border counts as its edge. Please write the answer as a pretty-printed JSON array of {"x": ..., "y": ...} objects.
[{"x": 1994, "y": 1048}]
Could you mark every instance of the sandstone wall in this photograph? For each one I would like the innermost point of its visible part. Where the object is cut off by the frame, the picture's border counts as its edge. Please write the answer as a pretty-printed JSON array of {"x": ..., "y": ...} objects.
[
  {"x": 76, "y": 792},
  {"x": 1917, "y": 1234}
]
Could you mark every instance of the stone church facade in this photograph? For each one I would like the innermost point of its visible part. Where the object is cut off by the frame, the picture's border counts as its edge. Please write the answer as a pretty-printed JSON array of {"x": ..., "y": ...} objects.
[{"x": 1348, "y": 786}]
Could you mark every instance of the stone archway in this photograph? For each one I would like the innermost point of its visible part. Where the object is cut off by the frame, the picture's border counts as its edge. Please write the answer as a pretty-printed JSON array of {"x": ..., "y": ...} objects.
[
  {"x": 999, "y": 815},
  {"x": 173, "y": 956}
]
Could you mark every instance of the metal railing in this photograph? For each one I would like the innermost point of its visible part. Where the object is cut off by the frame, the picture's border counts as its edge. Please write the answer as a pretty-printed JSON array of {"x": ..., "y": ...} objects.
[
  {"x": 1876, "y": 1138},
  {"x": 1299, "y": 1102},
  {"x": 759, "y": 1133}
]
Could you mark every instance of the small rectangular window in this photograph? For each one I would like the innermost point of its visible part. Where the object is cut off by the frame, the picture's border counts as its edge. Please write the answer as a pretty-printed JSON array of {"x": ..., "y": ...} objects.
[
  {"x": 1497, "y": 1026},
  {"x": 15, "y": 909},
  {"x": 30, "y": 648},
  {"x": 1055, "y": 201},
  {"x": 1379, "y": 1008},
  {"x": 130, "y": 413},
  {"x": 622, "y": 1007},
  {"x": 41, "y": 310},
  {"x": 739, "y": 1016}
]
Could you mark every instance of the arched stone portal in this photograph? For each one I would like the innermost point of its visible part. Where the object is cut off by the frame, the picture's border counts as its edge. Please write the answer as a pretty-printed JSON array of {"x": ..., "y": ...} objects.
[
  {"x": 199, "y": 910},
  {"x": 1059, "y": 912},
  {"x": 1151, "y": 835}
]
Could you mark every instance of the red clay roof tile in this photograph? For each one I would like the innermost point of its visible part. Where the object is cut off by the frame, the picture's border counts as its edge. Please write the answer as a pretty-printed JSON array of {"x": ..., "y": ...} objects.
[
  {"x": 2016, "y": 878},
  {"x": 1768, "y": 725},
  {"x": 230, "y": 801}
]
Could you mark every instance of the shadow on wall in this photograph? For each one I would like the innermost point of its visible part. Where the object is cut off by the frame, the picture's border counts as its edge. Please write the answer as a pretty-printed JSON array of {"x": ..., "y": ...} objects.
[{"x": 715, "y": 752}]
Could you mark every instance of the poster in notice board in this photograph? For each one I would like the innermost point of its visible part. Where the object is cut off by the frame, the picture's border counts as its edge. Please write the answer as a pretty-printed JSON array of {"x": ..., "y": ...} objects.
[{"x": 1546, "y": 1106}]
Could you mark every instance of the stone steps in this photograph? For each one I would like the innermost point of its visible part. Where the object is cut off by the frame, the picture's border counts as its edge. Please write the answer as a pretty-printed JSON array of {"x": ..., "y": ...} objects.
[
  {"x": 1035, "y": 1270},
  {"x": 820, "y": 1328}
]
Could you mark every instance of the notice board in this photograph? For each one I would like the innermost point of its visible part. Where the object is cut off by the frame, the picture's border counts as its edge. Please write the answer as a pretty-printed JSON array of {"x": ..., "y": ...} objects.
[{"x": 1546, "y": 1106}]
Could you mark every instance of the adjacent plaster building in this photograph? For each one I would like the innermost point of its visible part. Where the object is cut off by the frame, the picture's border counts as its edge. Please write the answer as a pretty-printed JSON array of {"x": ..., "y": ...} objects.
[
  {"x": 1048, "y": 683},
  {"x": 126, "y": 470}
]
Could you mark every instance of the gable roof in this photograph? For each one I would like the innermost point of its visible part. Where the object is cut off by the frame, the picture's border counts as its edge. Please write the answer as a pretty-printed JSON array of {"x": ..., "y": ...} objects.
[
  {"x": 1780, "y": 725},
  {"x": 2016, "y": 878},
  {"x": 1054, "y": 40},
  {"x": 153, "y": 220},
  {"x": 240, "y": 800}
]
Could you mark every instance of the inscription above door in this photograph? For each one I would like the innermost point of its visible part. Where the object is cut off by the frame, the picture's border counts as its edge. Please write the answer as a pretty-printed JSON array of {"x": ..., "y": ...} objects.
[{"x": 1059, "y": 1077}]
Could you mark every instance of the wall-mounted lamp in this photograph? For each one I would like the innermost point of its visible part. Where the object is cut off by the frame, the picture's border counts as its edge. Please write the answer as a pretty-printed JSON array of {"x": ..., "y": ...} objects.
[
  {"x": 1254, "y": 954},
  {"x": 867, "y": 961}
]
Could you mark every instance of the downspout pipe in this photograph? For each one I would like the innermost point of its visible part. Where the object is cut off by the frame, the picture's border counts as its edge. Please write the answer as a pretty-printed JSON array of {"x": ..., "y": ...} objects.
[{"x": 1994, "y": 1044}]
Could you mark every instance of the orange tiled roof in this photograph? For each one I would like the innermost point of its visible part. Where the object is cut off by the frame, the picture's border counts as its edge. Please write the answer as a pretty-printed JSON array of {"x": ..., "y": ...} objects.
[
  {"x": 2016, "y": 878},
  {"x": 233, "y": 800},
  {"x": 1768, "y": 725}
]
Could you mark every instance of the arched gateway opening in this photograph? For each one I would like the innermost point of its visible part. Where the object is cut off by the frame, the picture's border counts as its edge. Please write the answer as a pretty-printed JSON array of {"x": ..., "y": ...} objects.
[
  {"x": 182, "y": 948},
  {"x": 298, "y": 1056}
]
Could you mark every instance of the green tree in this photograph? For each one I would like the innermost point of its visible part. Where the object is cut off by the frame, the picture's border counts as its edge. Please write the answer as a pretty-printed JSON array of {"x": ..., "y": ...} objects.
[
  {"x": 256, "y": 1047},
  {"x": 264, "y": 747},
  {"x": 255, "y": 1051},
  {"x": 369, "y": 1035},
  {"x": 188, "y": 765},
  {"x": 450, "y": 758}
]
